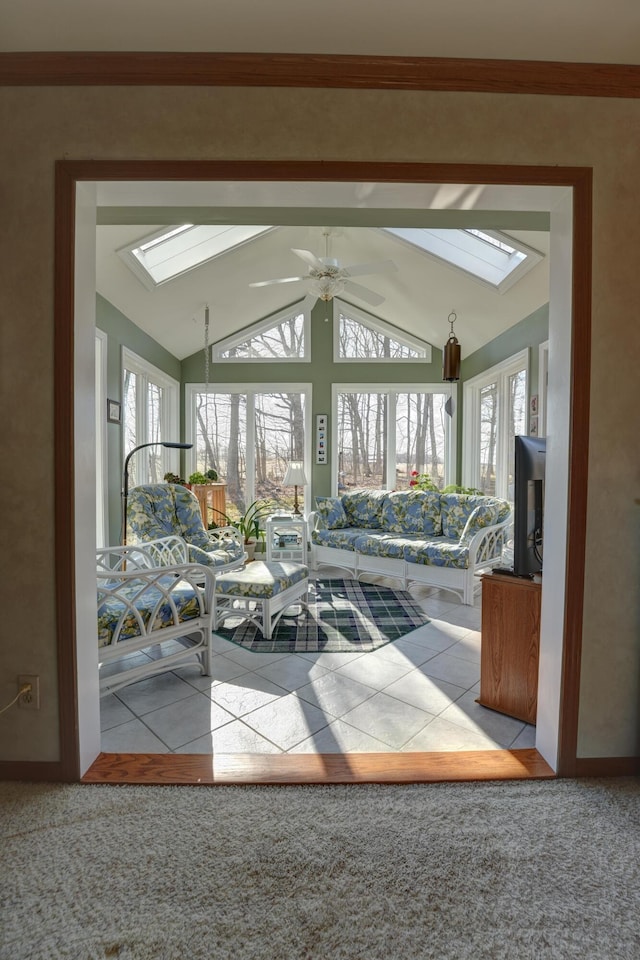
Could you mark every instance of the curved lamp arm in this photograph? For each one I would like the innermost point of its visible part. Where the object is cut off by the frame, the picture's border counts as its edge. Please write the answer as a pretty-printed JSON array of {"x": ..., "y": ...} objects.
[{"x": 125, "y": 476}]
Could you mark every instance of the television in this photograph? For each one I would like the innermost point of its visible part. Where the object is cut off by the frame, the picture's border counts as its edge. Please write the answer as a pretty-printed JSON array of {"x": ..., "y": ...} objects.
[{"x": 528, "y": 505}]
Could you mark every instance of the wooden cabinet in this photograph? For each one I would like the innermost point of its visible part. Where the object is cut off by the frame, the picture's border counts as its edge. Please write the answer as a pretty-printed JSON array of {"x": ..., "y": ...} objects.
[
  {"x": 510, "y": 645},
  {"x": 212, "y": 500}
]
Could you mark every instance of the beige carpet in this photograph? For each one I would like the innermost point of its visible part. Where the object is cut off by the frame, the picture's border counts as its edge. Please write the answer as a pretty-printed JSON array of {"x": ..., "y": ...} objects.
[{"x": 522, "y": 870}]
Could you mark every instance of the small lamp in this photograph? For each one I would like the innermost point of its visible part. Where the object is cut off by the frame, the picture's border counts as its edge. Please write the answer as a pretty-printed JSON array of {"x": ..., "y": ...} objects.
[
  {"x": 125, "y": 476},
  {"x": 295, "y": 477},
  {"x": 451, "y": 354}
]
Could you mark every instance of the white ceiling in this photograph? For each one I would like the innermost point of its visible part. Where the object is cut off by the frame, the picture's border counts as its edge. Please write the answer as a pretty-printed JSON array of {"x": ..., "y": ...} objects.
[
  {"x": 570, "y": 30},
  {"x": 418, "y": 297}
]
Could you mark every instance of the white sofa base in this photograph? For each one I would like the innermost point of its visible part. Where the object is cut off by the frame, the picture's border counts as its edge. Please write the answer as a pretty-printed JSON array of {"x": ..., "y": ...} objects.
[{"x": 486, "y": 548}]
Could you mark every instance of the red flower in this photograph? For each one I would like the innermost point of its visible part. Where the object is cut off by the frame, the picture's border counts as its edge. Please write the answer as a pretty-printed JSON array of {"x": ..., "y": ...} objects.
[
  {"x": 413, "y": 483},
  {"x": 414, "y": 473}
]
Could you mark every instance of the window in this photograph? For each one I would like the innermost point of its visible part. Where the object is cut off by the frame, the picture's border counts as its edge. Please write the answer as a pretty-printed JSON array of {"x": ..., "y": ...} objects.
[
  {"x": 495, "y": 412},
  {"x": 359, "y": 336},
  {"x": 249, "y": 433},
  {"x": 381, "y": 435},
  {"x": 489, "y": 256},
  {"x": 173, "y": 251},
  {"x": 149, "y": 415},
  {"x": 284, "y": 336}
]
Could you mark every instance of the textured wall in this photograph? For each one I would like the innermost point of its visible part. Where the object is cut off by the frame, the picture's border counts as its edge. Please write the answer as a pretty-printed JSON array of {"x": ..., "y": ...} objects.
[{"x": 42, "y": 125}]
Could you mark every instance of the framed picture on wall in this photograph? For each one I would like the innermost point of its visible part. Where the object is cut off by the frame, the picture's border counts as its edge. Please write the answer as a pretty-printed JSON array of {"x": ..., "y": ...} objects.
[{"x": 114, "y": 411}]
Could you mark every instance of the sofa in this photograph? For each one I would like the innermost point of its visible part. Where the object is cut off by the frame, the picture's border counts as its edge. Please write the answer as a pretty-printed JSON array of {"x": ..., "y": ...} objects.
[{"x": 416, "y": 536}]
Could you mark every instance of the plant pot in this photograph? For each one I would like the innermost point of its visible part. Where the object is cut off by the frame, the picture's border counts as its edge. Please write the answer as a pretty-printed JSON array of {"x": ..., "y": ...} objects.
[{"x": 250, "y": 549}]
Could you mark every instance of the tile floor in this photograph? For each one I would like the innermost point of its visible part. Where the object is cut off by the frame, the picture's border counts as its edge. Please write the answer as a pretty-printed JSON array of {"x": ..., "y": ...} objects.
[{"x": 416, "y": 694}]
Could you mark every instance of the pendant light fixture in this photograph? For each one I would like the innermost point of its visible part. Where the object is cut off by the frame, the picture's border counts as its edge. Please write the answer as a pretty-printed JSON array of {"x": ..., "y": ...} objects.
[{"x": 451, "y": 354}]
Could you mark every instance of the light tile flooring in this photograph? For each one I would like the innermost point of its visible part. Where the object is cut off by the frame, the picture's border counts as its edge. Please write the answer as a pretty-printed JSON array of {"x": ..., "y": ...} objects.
[{"x": 416, "y": 694}]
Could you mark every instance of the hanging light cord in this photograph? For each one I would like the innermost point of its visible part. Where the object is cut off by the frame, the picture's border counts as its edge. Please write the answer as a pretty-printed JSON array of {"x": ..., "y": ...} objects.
[{"x": 206, "y": 386}]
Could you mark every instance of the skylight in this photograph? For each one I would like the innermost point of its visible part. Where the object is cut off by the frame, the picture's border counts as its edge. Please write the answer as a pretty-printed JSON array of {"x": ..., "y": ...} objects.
[
  {"x": 487, "y": 255},
  {"x": 175, "y": 250}
]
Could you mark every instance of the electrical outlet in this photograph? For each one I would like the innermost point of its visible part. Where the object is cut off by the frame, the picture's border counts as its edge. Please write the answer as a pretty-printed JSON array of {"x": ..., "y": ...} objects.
[{"x": 31, "y": 699}]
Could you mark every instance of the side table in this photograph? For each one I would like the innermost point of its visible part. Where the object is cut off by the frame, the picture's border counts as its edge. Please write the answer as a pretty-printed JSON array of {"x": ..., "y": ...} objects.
[{"x": 286, "y": 538}]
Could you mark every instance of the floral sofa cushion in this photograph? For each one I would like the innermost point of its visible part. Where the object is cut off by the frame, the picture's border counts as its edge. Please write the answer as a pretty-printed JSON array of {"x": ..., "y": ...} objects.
[
  {"x": 364, "y": 507},
  {"x": 484, "y": 515},
  {"x": 345, "y": 538},
  {"x": 158, "y": 510},
  {"x": 458, "y": 507},
  {"x": 331, "y": 513},
  {"x": 412, "y": 511},
  {"x": 438, "y": 552},
  {"x": 138, "y": 601},
  {"x": 261, "y": 581}
]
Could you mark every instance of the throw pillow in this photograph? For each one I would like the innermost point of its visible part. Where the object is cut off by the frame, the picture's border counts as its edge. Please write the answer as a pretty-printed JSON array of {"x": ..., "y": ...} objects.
[{"x": 331, "y": 512}]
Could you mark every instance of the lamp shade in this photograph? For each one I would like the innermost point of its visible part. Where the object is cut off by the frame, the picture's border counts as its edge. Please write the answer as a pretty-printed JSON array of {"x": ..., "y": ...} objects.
[{"x": 295, "y": 476}]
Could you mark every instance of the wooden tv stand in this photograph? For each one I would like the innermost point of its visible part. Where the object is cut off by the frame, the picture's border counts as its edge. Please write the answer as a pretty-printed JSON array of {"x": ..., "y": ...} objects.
[{"x": 510, "y": 645}]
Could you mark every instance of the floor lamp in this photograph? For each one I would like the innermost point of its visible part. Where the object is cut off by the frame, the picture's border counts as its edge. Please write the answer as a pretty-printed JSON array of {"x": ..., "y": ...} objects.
[
  {"x": 295, "y": 477},
  {"x": 125, "y": 476}
]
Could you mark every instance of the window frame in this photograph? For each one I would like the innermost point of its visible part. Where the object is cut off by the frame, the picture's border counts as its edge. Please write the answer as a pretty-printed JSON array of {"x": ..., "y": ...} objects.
[
  {"x": 249, "y": 390},
  {"x": 450, "y": 458},
  {"x": 170, "y": 415},
  {"x": 300, "y": 307},
  {"x": 378, "y": 326},
  {"x": 499, "y": 374}
]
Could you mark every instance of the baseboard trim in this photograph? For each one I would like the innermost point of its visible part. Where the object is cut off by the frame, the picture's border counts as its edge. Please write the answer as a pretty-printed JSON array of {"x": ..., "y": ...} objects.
[
  {"x": 198, "y": 769},
  {"x": 32, "y": 770},
  {"x": 607, "y": 766}
]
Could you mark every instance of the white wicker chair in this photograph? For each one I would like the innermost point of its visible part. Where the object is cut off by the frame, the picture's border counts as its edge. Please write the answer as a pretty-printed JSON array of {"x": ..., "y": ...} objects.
[{"x": 149, "y": 595}]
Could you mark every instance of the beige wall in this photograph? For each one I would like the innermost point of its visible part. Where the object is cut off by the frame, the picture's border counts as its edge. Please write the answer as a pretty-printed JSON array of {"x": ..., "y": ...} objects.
[{"x": 42, "y": 125}]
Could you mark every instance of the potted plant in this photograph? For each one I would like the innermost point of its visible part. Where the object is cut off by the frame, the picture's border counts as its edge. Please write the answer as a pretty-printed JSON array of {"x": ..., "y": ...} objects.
[
  {"x": 247, "y": 525},
  {"x": 211, "y": 476}
]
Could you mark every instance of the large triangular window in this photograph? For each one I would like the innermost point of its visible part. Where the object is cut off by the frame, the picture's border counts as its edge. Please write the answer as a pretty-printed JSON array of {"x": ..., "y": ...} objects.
[
  {"x": 360, "y": 336},
  {"x": 281, "y": 337}
]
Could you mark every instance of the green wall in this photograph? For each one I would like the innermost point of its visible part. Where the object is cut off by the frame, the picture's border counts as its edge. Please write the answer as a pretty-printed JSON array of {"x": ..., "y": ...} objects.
[
  {"x": 321, "y": 372},
  {"x": 121, "y": 332},
  {"x": 527, "y": 334}
]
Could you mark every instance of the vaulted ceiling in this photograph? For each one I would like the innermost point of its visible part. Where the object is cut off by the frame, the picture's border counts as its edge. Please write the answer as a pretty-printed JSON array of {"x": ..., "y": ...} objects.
[{"x": 418, "y": 297}]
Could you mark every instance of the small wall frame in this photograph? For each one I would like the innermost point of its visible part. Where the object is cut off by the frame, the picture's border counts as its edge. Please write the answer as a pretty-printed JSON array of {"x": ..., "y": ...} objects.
[
  {"x": 322, "y": 420},
  {"x": 114, "y": 411}
]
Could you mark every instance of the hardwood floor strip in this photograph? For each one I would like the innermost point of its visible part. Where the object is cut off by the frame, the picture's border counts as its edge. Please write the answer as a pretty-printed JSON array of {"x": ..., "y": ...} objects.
[
  {"x": 100, "y": 68},
  {"x": 122, "y": 768}
]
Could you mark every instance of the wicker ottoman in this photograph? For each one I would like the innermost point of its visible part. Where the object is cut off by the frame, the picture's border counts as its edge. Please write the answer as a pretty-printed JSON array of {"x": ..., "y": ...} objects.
[{"x": 260, "y": 592}]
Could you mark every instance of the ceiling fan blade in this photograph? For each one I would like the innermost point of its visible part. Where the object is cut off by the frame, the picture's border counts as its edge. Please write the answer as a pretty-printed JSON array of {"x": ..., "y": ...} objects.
[
  {"x": 266, "y": 283},
  {"x": 309, "y": 258},
  {"x": 363, "y": 293},
  {"x": 361, "y": 269}
]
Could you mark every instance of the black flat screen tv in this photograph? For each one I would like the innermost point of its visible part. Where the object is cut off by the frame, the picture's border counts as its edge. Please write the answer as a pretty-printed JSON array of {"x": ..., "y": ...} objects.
[{"x": 528, "y": 505}]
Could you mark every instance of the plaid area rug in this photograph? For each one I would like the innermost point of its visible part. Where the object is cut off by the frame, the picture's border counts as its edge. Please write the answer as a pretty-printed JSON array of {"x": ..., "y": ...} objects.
[{"x": 343, "y": 616}]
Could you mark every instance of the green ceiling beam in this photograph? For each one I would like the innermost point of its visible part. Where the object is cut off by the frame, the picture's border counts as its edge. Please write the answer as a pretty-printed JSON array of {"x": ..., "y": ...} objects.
[{"x": 326, "y": 217}]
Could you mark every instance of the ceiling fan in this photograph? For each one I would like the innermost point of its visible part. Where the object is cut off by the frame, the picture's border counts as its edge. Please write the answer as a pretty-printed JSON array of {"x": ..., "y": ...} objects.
[{"x": 328, "y": 278}]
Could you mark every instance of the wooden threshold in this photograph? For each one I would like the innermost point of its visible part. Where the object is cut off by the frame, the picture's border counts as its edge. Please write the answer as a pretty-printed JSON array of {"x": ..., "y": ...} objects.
[{"x": 321, "y": 768}]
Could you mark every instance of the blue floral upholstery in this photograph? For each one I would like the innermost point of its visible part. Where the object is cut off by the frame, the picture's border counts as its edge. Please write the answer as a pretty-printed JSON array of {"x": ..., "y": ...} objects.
[
  {"x": 458, "y": 507},
  {"x": 121, "y": 614},
  {"x": 331, "y": 513},
  {"x": 412, "y": 511},
  {"x": 417, "y": 526},
  {"x": 438, "y": 553},
  {"x": 344, "y": 538},
  {"x": 260, "y": 580},
  {"x": 364, "y": 507},
  {"x": 484, "y": 515},
  {"x": 163, "y": 509}
]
